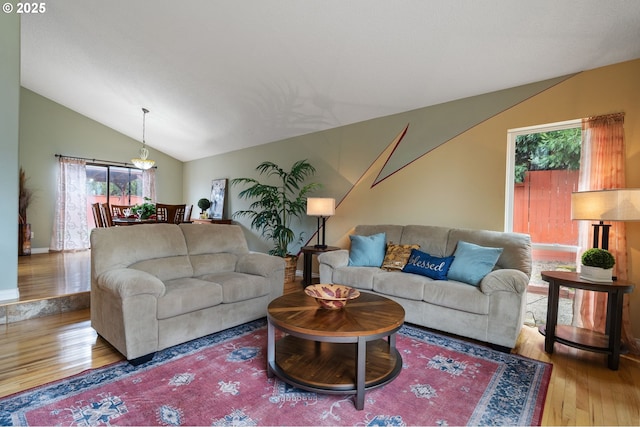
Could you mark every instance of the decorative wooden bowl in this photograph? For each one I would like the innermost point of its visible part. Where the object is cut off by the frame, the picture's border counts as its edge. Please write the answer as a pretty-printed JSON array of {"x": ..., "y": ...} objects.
[{"x": 331, "y": 297}]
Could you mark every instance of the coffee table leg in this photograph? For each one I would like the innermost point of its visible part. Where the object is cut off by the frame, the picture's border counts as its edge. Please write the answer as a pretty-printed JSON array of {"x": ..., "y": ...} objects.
[
  {"x": 360, "y": 374},
  {"x": 271, "y": 348}
]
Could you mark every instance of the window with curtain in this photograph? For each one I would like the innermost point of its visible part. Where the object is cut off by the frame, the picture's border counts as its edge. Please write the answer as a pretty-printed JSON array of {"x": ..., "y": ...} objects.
[
  {"x": 70, "y": 218},
  {"x": 602, "y": 167},
  {"x": 118, "y": 185},
  {"x": 82, "y": 183}
]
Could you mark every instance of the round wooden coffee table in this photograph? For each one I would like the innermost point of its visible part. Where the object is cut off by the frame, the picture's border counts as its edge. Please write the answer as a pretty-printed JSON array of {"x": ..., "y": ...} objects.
[{"x": 334, "y": 351}]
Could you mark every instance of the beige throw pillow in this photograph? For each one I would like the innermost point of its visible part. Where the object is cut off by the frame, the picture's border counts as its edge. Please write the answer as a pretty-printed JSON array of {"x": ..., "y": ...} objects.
[{"x": 397, "y": 256}]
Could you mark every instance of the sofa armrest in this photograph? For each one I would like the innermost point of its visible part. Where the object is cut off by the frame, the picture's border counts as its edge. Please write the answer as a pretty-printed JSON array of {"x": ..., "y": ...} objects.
[
  {"x": 334, "y": 259},
  {"x": 127, "y": 282},
  {"x": 504, "y": 280},
  {"x": 259, "y": 264}
]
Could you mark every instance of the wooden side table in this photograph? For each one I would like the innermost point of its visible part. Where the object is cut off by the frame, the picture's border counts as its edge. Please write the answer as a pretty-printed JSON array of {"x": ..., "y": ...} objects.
[
  {"x": 211, "y": 221},
  {"x": 584, "y": 339},
  {"x": 307, "y": 255}
]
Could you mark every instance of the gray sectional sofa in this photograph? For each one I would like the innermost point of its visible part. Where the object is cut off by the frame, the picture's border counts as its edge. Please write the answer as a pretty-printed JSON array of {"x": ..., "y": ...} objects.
[
  {"x": 491, "y": 311},
  {"x": 157, "y": 285}
]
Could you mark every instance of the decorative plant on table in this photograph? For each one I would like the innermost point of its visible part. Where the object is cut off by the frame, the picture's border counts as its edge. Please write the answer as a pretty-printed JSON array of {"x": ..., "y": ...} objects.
[
  {"x": 597, "y": 265},
  {"x": 277, "y": 205},
  {"x": 204, "y": 204},
  {"x": 144, "y": 210}
]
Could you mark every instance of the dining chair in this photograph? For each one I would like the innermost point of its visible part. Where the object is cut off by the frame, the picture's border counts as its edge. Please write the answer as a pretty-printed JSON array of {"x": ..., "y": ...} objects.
[
  {"x": 187, "y": 213},
  {"x": 118, "y": 210},
  {"x": 173, "y": 214},
  {"x": 106, "y": 215},
  {"x": 97, "y": 215}
]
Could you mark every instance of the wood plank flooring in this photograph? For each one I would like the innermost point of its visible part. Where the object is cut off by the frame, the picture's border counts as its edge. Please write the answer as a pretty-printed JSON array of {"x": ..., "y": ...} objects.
[{"x": 582, "y": 390}]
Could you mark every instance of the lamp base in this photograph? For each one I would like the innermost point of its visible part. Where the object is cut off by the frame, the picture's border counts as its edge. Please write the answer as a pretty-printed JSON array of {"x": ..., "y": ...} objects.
[{"x": 320, "y": 246}]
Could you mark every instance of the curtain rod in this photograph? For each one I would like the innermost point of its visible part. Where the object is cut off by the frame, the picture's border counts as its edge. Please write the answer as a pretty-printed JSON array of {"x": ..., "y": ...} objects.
[{"x": 108, "y": 162}]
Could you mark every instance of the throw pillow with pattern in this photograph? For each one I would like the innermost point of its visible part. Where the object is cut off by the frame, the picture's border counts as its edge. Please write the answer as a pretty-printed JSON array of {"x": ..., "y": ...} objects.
[{"x": 397, "y": 256}]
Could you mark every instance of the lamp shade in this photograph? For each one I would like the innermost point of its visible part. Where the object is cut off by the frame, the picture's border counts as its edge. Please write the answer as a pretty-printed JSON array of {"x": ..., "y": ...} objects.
[
  {"x": 319, "y": 206},
  {"x": 621, "y": 204}
]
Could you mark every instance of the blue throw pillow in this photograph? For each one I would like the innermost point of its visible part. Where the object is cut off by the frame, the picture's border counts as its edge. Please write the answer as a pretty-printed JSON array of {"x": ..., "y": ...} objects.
[
  {"x": 367, "y": 251},
  {"x": 426, "y": 265},
  {"x": 473, "y": 262}
]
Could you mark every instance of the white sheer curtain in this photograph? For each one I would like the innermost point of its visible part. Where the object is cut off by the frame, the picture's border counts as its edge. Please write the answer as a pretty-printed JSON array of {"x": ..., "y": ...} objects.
[
  {"x": 149, "y": 184},
  {"x": 70, "y": 218}
]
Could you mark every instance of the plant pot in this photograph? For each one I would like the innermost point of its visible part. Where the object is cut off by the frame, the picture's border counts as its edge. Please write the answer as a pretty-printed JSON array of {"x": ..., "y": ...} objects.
[
  {"x": 596, "y": 274},
  {"x": 290, "y": 267},
  {"x": 24, "y": 239}
]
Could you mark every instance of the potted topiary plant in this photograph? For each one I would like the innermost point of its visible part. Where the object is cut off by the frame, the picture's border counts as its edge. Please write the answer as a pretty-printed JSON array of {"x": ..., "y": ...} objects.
[
  {"x": 597, "y": 265},
  {"x": 277, "y": 205},
  {"x": 204, "y": 204}
]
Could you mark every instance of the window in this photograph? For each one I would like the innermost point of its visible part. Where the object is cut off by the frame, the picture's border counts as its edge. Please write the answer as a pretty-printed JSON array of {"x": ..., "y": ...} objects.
[
  {"x": 542, "y": 173},
  {"x": 115, "y": 185}
]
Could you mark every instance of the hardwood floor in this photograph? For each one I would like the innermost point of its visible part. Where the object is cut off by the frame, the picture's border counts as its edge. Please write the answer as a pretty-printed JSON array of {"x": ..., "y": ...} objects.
[
  {"x": 582, "y": 390},
  {"x": 53, "y": 274}
]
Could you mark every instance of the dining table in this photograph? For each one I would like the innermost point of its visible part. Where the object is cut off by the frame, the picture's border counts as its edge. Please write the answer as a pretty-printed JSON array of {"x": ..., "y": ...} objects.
[{"x": 132, "y": 221}]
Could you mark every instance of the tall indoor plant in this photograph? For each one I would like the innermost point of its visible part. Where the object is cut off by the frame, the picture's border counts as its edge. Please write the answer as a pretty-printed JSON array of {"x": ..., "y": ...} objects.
[{"x": 276, "y": 206}]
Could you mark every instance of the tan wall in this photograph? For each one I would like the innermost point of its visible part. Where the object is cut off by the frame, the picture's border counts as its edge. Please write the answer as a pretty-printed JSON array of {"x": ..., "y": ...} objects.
[
  {"x": 460, "y": 183},
  {"x": 48, "y": 128}
]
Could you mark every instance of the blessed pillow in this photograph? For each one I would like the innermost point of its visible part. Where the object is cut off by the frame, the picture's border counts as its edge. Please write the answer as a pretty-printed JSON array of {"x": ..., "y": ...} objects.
[
  {"x": 367, "y": 251},
  {"x": 397, "y": 256},
  {"x": 473, "y": 262},
  {"x": 426, "y": 265}
]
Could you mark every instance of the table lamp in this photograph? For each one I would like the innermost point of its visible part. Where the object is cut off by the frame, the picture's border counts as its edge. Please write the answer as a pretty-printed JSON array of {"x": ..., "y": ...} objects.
[
  {"x": 322, "y": 208},
  {"x": 622, "y": 204}
]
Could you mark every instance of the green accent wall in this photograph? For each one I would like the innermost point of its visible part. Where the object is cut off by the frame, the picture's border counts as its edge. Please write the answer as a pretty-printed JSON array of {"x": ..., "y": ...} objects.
[
  {"x": 434, "y": 126},
  {"x": 48, "y": 128},
  {"x": 9, "y": 118}
]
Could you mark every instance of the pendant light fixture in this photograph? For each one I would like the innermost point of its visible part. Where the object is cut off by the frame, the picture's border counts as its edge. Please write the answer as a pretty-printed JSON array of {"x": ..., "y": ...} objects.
[{"x": 142, "y": 162}]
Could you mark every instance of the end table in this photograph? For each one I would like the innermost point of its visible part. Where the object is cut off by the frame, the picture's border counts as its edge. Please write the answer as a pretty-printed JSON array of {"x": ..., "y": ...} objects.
[
  {"x": 307, "y": 254},
  {"x": 584, "y": 339}
]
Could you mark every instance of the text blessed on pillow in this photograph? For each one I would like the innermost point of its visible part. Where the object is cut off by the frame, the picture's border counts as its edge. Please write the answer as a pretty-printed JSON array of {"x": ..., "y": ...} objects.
[{"x": 426, "y": 265}]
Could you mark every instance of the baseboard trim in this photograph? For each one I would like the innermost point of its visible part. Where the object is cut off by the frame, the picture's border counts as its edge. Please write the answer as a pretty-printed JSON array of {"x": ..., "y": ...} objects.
[{"x": 8, "y": 295}]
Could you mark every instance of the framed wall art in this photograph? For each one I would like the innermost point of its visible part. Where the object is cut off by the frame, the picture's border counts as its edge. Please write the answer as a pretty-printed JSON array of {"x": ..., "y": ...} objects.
[{"x": 218, "y": 195}]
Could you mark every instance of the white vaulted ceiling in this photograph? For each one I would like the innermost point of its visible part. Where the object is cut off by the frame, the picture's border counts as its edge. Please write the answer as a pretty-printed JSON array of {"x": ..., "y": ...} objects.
[{"x": 220, "y": 75}]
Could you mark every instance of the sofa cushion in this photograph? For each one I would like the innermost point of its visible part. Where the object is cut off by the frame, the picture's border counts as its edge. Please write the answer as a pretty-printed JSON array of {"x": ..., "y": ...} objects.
[
  {"x": 213, "y": 263},
  {"x": 367, "y": 251},
  {"x": 239, "y": 286},
  {"x": 517, "y": 246},
  {"x": 456, "y": 295},
  {"x": 212, "y": 238},
  {"x": 397, "y": 256},
  {"x": 167, "y": 268},
  {"x": 432, "y": 239},
  {"x": 143, "y": 242},
  {"x": 393, "y": 233},
  {"x": 186, "y": 295},
  {"x": 426, "y": 265},
  {"x": 358, "y": 277},
  {"x": 398, "y": 284},
  {"x": 472, "y": 262}
]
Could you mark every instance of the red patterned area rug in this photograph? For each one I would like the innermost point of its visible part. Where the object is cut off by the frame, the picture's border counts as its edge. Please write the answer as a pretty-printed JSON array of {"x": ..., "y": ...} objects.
[{"x": 221, "y": 379}]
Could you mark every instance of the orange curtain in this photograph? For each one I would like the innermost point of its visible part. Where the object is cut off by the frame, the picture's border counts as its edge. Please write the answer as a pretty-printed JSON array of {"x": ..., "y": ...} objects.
[{"x": 601, "y": 168}]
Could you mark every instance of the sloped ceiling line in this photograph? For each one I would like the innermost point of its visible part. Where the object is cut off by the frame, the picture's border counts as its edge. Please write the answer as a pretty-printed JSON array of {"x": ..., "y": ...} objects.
[{"x": 436, "y": 125}]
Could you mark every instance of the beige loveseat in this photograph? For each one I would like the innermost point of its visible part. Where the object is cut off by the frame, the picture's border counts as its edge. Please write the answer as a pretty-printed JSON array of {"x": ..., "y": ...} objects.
[
  {"x": 154, "y": 286},
  {"x": 492, "y": 311}
]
